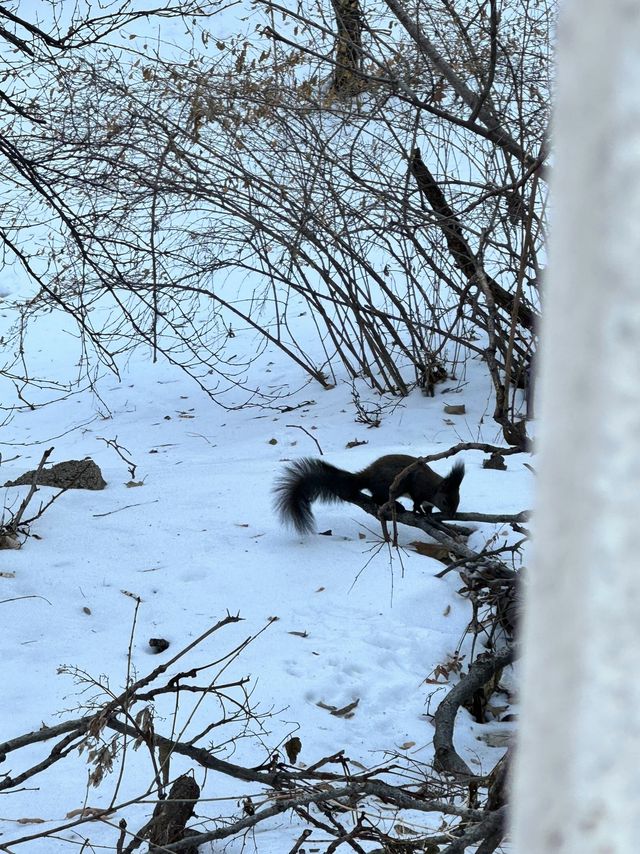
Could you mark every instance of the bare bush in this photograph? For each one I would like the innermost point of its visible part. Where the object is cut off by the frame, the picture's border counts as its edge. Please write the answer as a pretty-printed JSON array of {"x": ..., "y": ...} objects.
[{"x": 194, "y": 197}]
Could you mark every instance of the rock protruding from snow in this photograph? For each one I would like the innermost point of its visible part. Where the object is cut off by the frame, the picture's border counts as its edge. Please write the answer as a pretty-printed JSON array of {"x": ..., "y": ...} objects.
[{"x": 70, "y": 474}]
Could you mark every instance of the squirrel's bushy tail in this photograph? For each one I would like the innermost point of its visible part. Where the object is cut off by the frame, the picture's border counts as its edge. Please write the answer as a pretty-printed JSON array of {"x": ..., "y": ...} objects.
[{"x": 305, "y": 481}]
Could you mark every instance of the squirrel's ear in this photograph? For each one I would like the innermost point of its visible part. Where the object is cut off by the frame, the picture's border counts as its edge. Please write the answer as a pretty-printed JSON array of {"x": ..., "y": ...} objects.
[{"x": 454, "y": 478}]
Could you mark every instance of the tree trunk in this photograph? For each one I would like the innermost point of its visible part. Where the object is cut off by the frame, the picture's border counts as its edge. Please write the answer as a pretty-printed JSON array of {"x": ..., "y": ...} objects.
[{"x": 576, "y": 777}]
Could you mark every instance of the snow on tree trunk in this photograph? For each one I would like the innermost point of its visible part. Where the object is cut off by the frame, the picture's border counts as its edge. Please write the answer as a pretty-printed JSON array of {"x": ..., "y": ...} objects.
[{"x": 577, "y": 778}]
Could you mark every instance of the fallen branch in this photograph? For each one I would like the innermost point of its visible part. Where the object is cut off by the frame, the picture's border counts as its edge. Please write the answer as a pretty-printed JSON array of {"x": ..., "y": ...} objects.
[
  {"x": 483, "y": 830},
  {"x": 348, "y": 794},
  {"x": 495, "y": 518},
  {"x": 170, "y": 816},
  {"x": 446, "y": 757},
  {"x": 475, "y": 446},
  {"x": 449, "y": 535}
]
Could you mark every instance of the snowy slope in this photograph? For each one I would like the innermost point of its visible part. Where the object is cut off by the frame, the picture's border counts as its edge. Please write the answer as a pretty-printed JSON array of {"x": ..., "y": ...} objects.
[{"x": 199, "y": 539}]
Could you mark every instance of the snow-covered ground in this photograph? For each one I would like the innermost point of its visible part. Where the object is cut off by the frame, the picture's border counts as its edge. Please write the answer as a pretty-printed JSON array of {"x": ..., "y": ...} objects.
[{"x": 198, "y": 539}]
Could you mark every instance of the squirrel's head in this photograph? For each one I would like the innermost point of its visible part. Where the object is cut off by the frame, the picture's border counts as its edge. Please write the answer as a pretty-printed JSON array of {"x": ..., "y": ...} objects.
[
  {"x": 447, "y": 496},
  {"x": 446, "y": 500}
]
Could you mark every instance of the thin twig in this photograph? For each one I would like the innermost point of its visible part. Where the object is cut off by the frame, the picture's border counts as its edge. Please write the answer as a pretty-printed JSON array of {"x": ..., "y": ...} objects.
[{"x": 15, "y": 522}]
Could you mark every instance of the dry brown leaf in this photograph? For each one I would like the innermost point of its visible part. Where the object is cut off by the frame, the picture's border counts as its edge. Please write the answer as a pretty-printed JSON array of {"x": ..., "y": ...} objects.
[
  {"x": 165, "y": 751},
  {"x": 404, "y": 829},
  {"x": 87, "y": 812},
  {"x": 434, "y": 550}
]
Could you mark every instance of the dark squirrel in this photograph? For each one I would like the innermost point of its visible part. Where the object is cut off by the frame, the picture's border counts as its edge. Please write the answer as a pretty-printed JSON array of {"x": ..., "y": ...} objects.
[{"x": 308, "y": 480}]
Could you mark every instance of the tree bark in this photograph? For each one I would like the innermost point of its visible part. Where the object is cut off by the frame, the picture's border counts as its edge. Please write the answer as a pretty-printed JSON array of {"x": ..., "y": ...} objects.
[{"x": 576, "y": 778}]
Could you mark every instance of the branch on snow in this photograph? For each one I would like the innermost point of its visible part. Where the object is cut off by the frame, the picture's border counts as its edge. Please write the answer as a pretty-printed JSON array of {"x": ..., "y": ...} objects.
[{"x": 480, "y": 672}]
